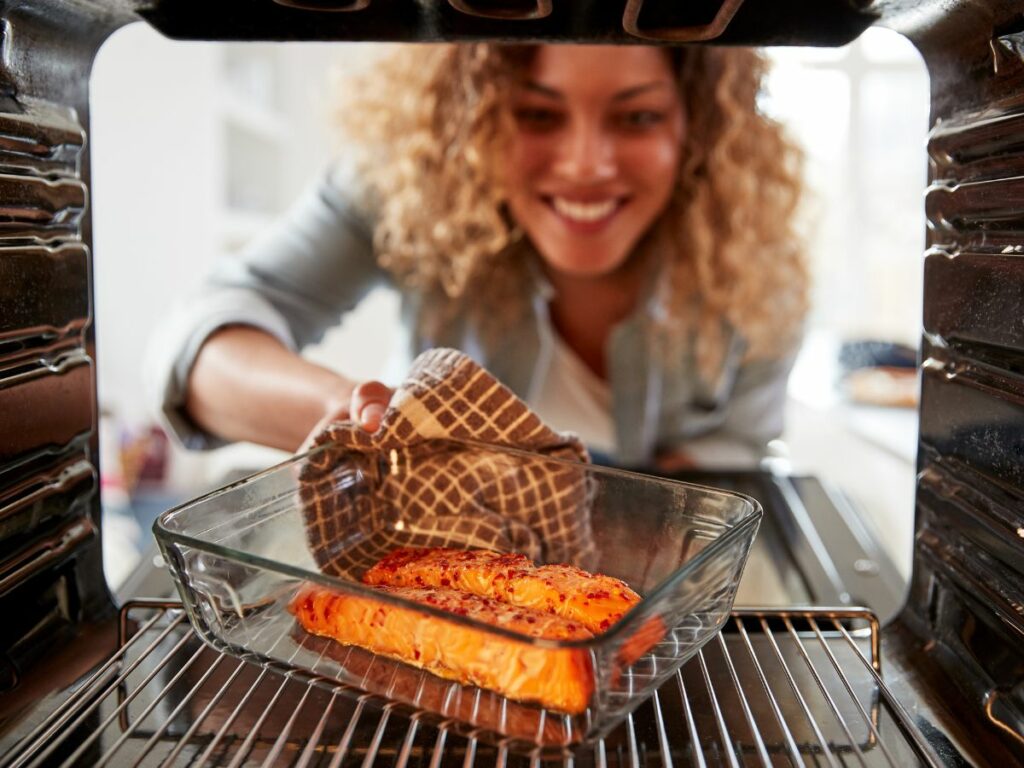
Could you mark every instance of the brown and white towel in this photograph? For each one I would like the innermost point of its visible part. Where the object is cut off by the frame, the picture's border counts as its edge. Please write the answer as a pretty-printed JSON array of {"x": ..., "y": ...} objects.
[{"x": 416, "y": 489}]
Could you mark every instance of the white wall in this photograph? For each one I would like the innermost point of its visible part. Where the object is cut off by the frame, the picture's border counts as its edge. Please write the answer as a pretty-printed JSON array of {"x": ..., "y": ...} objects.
[
  {"x": 151, "y": 123},
  {"x": 861, "y": 113},
  {"x": 180, "y": 131}
]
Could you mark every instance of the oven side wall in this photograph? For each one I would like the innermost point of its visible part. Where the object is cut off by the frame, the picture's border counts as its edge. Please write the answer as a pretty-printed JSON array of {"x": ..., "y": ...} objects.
[
  {"x": 967, "y": 590},
  {"x": 965, "y": 605},
  {"x": 51, "y": 575}
]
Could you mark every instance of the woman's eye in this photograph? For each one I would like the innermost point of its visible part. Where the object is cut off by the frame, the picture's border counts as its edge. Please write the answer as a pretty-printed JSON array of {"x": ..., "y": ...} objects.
[
  {"x": 537, "y": 118},
  {"x": 640, "y": 118}
]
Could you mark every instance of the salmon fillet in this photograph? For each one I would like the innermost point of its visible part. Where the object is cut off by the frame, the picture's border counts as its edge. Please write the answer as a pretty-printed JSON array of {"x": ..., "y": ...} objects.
[
  {"x": 557, "y": 678},
  {"x": 593, "y": 600}
]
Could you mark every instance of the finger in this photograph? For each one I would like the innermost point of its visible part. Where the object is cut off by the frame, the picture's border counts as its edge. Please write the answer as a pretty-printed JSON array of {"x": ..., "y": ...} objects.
[{"x": 369, "y": 401}]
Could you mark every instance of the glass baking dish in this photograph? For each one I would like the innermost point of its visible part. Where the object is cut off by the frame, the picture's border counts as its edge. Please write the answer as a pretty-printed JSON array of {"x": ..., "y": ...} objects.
[{"x": 240, "y": 554}]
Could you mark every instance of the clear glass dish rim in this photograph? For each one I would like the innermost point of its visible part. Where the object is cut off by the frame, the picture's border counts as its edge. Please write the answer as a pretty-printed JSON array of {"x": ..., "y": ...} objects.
[{"x": 625, "y": 623}]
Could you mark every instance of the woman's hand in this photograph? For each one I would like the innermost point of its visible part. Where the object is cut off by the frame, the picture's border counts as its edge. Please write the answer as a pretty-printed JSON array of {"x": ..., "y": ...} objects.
[
  {"x": 369, "y": 401},
  {"x": 365, "y": 406}
]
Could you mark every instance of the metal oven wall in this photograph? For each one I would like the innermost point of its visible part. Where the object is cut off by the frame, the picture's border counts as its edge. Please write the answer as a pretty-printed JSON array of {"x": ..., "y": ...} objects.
[
  {"x": 50, "y": 558},
  {"x": 968, "y": 576},
  {"x": 964, "y": 610}
]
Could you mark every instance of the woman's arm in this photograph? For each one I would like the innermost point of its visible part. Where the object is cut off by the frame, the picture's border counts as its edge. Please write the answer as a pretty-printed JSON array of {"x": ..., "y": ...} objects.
[
  {"x": 247, "y": 385},
  {"x": 224, "y": 366}
]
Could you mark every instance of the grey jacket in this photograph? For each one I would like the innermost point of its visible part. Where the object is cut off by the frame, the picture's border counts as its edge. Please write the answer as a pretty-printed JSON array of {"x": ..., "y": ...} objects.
[{"x": 318, "y": 263}]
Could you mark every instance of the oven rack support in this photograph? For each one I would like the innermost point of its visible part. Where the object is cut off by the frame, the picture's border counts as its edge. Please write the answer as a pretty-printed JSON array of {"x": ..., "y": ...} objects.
[{"x": 778, "y": 687}]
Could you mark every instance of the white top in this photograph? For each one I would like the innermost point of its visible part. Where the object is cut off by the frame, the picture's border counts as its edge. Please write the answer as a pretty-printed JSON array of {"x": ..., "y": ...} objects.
[{"x": 572, "y": 398}]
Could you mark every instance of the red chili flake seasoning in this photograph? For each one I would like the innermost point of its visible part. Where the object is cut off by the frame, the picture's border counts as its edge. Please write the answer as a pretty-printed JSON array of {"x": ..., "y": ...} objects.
[
  {"x": 416, "y": 653},
  {"x": 531, "y": 619},
  {"x": 445, "y": 582},
  {"x": 605, "y": 624},
  {"x": 561, "y": 598}
]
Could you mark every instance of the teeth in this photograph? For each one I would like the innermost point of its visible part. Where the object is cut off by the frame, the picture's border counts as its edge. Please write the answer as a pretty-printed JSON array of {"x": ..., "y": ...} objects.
[{"x": 583, "y": 211}]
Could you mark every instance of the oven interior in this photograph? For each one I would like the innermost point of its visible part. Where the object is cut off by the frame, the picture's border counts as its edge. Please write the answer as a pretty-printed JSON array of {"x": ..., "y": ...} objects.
[{"x": 92, "y": 679}]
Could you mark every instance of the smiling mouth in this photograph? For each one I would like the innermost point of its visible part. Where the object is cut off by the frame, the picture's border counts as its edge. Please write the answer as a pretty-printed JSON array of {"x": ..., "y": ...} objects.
[{"x": 585, "y": 213}]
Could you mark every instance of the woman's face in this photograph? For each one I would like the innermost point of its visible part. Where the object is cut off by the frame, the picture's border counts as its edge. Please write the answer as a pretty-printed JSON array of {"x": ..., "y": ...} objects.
[{"x": 594, "y": 154}]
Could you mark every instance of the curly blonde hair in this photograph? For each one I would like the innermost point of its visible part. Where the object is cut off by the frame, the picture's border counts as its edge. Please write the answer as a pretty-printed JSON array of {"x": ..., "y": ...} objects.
[{"x": 431, "y": 121}]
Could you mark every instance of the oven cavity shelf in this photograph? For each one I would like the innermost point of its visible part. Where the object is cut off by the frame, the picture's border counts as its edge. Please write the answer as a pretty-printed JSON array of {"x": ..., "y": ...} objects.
[{"x": 776, "y": 687}]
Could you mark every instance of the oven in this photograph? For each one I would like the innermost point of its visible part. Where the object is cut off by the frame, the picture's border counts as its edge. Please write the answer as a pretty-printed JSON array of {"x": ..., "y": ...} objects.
[{"x": 931, "y": 676}]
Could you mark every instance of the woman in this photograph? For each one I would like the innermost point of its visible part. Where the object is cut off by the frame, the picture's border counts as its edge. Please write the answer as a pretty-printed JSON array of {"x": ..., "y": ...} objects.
[{"x": 607, "y": 229}]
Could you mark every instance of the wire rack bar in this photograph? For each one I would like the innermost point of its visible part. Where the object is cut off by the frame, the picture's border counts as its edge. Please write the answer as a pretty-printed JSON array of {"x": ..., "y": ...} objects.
[
  {"x": 438, "y": 751},
  {"x": 46, "y": 729},
  {"x": 825, "y": 692},
  {"x": 723, "y": 730},
  {"x": 314, "y": 740},
  {"x": 762, "y": 751},
  {"x": 282, "y": 739},
  {"x": 849, "y": 688},
  {"x": 634, "y": 753},
  {"x": 691, "y": 728},
  {"x": 164, "y": 662},
  {"x": 201, "y": 718},
  {"x": 903, "y": 718},
  {"x": 799, "y": 696},
  {"x": 67, "y": 725},
  {"x": 145, "y": 712},
  {"x": 407, "y": 743},
  {"x": 776, "y": 687},
  {"x": 183, "y": 742},
  {"x": 239, "y": 708},
  {"x": 663, "y": 745},
  {"x": 787, "y": 733},
  {"x": 240, "y": 755}
]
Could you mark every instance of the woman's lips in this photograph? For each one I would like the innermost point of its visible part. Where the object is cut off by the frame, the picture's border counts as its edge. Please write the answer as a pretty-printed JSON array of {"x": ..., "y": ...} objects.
[{"x": 585, "y": 216}]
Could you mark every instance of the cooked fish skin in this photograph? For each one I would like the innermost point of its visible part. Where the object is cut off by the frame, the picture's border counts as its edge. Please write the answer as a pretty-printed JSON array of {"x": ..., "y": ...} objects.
[{"x": 560, "y": 679}]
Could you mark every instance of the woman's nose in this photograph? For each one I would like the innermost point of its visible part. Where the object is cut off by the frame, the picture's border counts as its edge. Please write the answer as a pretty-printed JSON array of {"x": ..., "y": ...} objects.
[{"x": 586, "y": 153}]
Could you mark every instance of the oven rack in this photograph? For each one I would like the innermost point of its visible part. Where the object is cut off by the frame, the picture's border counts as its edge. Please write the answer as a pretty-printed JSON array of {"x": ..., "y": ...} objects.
[{"x": 776, "y": 687}]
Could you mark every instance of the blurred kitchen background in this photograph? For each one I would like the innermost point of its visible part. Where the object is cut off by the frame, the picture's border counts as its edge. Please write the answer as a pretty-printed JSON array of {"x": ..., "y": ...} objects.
[{"x": 197, "y": 146}]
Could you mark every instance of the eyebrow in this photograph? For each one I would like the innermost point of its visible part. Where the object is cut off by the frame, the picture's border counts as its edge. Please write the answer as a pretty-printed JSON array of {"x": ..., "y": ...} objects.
[{"x": 623, "y": 95}]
